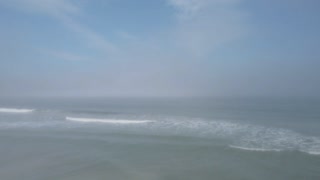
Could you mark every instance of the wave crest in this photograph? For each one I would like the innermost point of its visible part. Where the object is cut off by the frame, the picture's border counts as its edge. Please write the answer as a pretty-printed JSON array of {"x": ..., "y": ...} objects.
[
  {"x": 13, "y": 110},
  {"x": 112, "y": 121},
  {"x": 254, "y": 149}
]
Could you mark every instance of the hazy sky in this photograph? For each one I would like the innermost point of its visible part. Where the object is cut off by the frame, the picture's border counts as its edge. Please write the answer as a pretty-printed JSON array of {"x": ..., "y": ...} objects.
[{"x": 159, "y": 48}]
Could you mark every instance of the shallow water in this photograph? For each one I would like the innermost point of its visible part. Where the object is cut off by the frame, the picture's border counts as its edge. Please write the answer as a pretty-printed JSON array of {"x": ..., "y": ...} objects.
[{"x": 150, "y": 139}]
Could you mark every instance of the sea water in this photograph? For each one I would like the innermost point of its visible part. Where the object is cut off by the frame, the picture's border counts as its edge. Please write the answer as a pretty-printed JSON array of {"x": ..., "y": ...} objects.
[{"x": 160, "y": 138}]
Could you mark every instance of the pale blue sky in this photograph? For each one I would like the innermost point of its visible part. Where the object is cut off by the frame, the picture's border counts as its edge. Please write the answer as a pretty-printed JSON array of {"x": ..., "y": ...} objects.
[{"x": 159, "y": 48}]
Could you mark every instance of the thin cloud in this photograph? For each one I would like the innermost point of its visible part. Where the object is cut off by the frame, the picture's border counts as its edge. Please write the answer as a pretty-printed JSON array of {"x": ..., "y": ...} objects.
[
  {"x": 55, "y": 8},
  {"x": 166, "y": 63},
  {"x": 94, "y": 39},
  {"x": 191, "y": 7},
  {"x": 67, "y": 56},
  {"x": 64, "y": 11},
  {"x": 203, "y": 25}
]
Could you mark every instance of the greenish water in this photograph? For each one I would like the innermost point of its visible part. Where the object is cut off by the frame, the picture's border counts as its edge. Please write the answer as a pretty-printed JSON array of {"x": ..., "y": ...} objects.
[{"x": 155, "y": 139}]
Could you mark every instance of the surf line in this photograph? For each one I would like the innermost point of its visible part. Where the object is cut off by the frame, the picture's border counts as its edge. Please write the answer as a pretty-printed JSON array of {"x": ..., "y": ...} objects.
[
  {"x": 111, "y": 121},
  {"x": 12, "y": 110},
  {"x": 254, "y": 149}
]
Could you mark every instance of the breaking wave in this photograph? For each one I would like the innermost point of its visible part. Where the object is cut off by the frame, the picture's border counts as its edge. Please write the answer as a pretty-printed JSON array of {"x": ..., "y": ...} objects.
[
  {"x": 241, "y": 135},
  {"x": 13, "y": 110},
  {"x": 313, "y": 152},
  {"x": 255, "y": 149},
  {"x": 272, "y": 150},
  {"x": 112, "y": 121}
]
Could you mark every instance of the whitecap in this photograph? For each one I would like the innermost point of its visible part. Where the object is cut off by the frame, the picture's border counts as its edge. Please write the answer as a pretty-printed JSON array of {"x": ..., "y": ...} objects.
[
  {"x": 313, "y": 152},
  {"x": 255, "y": 149},
  {"x": 112, "y": 121},
  {"x": 13, "y": 110}
]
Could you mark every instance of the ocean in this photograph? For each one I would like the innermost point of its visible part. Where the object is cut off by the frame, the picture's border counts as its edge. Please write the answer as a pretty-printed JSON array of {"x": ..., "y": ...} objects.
[{"x": 160, "y": 139}]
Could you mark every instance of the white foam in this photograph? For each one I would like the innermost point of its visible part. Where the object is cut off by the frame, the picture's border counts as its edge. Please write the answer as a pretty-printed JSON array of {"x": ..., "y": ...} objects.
[
  {"x": 313, "y": 152},
  {"x": 112, "y": 121},
  {"x": 254, "y": 149},
  {"x": 12, "y": 110},
  {"x": 271, "y": 150}
]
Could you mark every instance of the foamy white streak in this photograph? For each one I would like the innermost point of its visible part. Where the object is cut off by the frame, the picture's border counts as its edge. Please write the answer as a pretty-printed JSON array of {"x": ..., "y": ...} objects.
[
  {"x": 254, "y": 149},
  {"x": 269, "y": 150},
  {"x": 113, "y": 121},
  {"x": 11, "y": 110},
  {"x": 312, "y": 152}
]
